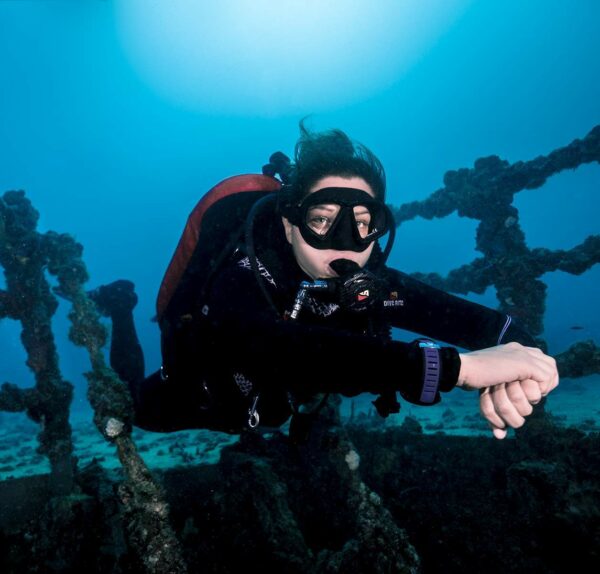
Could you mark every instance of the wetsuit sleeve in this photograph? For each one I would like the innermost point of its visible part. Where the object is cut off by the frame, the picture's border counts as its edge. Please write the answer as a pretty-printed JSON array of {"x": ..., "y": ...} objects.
[
  {"x": 313, "y": 359},
  {"x": 416, "y": 306}
]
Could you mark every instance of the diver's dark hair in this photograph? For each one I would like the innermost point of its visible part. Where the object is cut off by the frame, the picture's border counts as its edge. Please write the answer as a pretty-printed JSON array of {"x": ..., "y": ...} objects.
[{"x": 319, "y": 154}]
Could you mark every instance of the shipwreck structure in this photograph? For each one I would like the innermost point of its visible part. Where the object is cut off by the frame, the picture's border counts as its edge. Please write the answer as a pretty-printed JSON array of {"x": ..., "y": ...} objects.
[{"x": 255, "y": 489}]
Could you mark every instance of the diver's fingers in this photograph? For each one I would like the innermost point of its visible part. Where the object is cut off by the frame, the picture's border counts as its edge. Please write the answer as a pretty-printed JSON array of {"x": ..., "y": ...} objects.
[
  {"x": 518, "y": 398},
  {"x": 532, "y": 391},
  {"x": 487, "y": 409},
  {"x": 554, "y": 382},
  {"x": 504, "y": 407},
  {"x": 546, "y": 365}
]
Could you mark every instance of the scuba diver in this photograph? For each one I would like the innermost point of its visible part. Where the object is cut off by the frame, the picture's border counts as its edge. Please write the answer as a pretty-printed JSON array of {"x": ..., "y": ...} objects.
[{"x": 301, "y": 304}]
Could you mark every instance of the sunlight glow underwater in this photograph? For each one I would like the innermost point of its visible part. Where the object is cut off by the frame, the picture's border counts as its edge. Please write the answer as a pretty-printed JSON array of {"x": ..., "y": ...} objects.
[{"x": 272, "y": 57}]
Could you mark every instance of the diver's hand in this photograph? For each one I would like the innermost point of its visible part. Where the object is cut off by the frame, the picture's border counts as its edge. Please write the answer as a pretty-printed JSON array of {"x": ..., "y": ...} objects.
[
  {"x": 507, "y": 404},
  {"x": 507, "y": 363},
  {"x": 511, "y": 378}
]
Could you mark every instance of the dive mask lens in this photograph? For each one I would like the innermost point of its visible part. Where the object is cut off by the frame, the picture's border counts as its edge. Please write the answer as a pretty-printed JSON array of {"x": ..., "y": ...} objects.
[{"x": 323, "y": 218}]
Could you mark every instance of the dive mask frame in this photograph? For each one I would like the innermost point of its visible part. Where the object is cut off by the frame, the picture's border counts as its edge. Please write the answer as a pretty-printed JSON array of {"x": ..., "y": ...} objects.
[{"x": 343, "y": 234}]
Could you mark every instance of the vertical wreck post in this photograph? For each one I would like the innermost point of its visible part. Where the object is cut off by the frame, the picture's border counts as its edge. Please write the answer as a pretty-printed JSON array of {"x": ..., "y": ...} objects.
[
  {"x": 146, "y": 512},
  {"x": 28, "y": 299}
]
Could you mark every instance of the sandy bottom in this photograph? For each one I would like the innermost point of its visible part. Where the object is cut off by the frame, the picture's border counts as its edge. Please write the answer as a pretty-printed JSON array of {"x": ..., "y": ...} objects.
[{"x": 574, "y": 403}]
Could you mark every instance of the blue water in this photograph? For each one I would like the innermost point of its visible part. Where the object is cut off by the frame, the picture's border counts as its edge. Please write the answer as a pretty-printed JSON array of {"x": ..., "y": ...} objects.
[{"x": 108, "y": 154}]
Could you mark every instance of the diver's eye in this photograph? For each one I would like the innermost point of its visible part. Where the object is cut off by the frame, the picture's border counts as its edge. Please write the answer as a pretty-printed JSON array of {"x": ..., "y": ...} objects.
[
  {"x": 362, "y": 216},
  {"x": 320, "y": 224},
  {"x": 320, "y": 218},
  {"x": 363, "y": 228}
]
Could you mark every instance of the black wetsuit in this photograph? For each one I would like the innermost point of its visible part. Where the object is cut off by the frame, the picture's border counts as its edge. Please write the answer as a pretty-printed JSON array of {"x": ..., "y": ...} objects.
[{"x": 236, "y": 352}]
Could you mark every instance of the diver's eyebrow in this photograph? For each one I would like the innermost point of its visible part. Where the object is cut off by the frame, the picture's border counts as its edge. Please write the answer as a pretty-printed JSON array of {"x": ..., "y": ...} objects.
[
  {"x": 325, "y": 207},
  {"x": 365, "y": 211}
]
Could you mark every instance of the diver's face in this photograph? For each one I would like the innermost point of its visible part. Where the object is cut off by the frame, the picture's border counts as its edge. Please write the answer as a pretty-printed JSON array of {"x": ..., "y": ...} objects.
[{"x": 315, "y": 262}]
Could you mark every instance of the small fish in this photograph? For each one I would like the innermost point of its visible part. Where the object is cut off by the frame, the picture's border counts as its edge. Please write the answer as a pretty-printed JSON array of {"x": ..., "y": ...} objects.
[{"x": 577, "y": 327}]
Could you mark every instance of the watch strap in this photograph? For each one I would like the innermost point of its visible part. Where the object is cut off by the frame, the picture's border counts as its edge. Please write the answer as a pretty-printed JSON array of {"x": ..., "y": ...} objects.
[{"x": 431, "y": 370}]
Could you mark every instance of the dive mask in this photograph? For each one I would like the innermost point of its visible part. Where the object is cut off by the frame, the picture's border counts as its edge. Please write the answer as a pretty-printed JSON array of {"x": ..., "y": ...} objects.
[{"x": 340, "y": 218}]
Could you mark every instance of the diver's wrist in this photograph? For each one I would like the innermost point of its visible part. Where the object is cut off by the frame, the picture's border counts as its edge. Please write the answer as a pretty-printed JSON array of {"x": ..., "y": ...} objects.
[
  {"x": 463, "y": 377},
  {"x": 431, "y": 370},
  {"x": 462, "y": 380}
]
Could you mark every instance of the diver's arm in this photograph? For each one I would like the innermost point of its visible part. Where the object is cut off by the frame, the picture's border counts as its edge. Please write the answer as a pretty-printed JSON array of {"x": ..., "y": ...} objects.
[
  {"x": 416, "y": 306},
  {"x": 313, "y": 358},
  {"x": 301, "y": 358}
]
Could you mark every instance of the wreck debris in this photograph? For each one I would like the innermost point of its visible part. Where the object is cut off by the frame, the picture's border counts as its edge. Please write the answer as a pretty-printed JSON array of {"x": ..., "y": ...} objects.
[
  {"x": 580, "y": 360},
  {"x": 486, "y": 193},
  {"x": 28, "y": 299},
  {"x": 26, "y": 255}
]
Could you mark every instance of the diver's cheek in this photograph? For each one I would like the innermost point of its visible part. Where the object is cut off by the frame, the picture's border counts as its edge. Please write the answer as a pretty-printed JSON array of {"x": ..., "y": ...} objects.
[
  {"x": 319, "y": 266},
  {"x": 312, "y": 263},
  {"x": 323, "y": 270},
  {"x": 318, "y": 263}
]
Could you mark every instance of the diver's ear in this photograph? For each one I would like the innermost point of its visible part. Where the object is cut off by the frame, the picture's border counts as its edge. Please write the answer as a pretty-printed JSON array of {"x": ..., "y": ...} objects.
[{"x": 287, "y": 226}]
